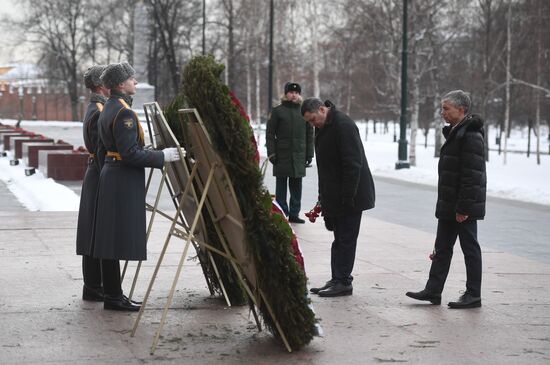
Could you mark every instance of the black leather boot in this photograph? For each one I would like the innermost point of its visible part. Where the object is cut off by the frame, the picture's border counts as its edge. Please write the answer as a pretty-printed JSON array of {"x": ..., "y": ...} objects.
[
  {"x": 434, "y": 298},
  {"x": 466, "y": 300},
  {"x": 92, "y": 294},
  {"x": 120, "y": 303},
  {"x": 296, "y": 220},
  {"x": 337, "y": 290},
  {"x": 327, "y": 285}
]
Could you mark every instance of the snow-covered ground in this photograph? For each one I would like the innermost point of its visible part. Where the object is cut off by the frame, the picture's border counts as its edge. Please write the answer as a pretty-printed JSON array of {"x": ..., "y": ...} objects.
[
  {"x": 36, "y": 192},
  {"x": 520, "y": 179}
]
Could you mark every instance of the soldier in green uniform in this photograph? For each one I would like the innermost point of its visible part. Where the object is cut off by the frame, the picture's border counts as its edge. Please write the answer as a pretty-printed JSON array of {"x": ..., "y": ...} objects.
[
  {"x": 289, "y": 141},
  {"x": 119, "y": 232},
  {"x": 91, "y": 269}
]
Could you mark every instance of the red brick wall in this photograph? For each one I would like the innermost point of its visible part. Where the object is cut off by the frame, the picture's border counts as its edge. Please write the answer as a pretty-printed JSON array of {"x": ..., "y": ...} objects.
[{"x": 50, "y": 104}]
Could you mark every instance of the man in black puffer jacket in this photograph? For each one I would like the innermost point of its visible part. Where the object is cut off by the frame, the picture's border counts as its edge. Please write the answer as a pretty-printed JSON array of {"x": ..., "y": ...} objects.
[{"x": 460, "y": 201}]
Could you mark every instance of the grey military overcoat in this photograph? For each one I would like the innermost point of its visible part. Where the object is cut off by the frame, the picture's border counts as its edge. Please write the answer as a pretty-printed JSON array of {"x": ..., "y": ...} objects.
[
  {"x": 86, "y": 213},
  {"x": 119, "y": 231}
]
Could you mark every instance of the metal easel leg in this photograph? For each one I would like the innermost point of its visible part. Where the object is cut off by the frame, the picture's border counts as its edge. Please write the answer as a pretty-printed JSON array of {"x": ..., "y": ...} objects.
[
  {"x": 279, "y": 329},
  {"x": 149, "y": 228},
  {"x": 219, "y": 278},
  {"x": 159, "y": 262},
  {"x": 238, "y": 272},
  {"x": 123, "y": 271},
  {"x": 182, "y": 259},
  {"x": 170, "y": 297}
]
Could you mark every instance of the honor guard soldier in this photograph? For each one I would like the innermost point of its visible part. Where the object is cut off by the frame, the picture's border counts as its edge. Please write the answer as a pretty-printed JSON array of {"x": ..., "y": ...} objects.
[
  {"x": 289, "y": 142},
  {"x": 91, "y": 270},
  {"x": 119, "y": 232}
]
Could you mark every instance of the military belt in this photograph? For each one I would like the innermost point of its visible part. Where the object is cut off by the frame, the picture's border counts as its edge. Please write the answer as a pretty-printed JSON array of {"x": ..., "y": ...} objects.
[{"x": 115, "y": 155}]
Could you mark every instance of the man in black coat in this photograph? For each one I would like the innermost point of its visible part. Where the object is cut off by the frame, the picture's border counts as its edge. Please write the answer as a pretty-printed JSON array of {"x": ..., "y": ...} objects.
[
  {"x": 346, "y": 187},
  {"x": 91, "y": 269},
  {"x": 119, "y": 232},
  {"x": 460, "y": 201}
]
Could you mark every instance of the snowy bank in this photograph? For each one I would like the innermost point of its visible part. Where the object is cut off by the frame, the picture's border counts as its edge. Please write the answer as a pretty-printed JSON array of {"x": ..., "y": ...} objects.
[
  {"x": 520, "y": 179},
  {"x": 36, "y": 192}
]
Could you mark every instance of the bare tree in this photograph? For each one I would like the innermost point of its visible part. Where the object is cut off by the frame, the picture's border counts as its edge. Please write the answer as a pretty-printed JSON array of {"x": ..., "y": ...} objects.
[
  {"x": 58, "y": 27},
  {"x": 431, "y": 30},
  {"x": 174, "y": 23},
  {"x": 508, "y": 76}
]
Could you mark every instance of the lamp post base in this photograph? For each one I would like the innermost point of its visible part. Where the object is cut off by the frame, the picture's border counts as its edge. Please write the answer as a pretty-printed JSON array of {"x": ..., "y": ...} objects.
[{"x": 402, "y": 165}]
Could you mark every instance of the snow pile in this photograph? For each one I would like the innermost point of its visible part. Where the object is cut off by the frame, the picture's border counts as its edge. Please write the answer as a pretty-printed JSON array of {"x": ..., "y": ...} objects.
[
  {"x": 519, "y": 179},
  {"x": 36, "y": 192}
]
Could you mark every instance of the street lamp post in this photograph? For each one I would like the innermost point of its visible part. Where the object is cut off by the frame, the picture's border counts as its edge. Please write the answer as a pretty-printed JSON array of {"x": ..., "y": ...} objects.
[
  {"x": 203, "y": 27},
  {"x": 21, "y": 95},
  {"x": 403, "y": 162},
  {"x": 81, "y": 100},
  {"x": 270, "y": 66},
  {"x": 34, "y": 116}
]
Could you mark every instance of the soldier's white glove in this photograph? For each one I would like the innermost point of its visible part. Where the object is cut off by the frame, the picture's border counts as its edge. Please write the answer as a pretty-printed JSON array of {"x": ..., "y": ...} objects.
[{"x": 171, "y": 154}]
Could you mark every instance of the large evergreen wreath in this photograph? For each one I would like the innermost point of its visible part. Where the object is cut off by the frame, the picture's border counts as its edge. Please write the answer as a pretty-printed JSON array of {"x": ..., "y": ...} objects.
[
  {"x": 235, "y": 292},
  {"x": 268, "y": 236}
]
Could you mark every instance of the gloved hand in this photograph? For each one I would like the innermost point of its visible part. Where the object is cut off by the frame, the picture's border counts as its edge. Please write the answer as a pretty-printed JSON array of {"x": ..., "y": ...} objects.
[
  {"x": 171, "y": 154},
  {"x": 308, "y": 162},
  {"x": 273, "y": 160}
]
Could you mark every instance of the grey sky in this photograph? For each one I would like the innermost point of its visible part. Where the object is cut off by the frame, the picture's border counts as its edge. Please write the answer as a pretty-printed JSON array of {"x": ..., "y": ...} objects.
[{"x": 8, "y": 38}]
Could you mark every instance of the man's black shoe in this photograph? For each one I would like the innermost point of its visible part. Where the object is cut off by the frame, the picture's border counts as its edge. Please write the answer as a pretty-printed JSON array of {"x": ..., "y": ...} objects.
[
  {"x": 434, "y": 298},
  {"x": 133, "y": 301},
  {"x": 120, "y": 303},
  {"x": 92, "y": 294},
  {"x": 337, "y": 290},
  {"x": 327, "y": 285},
  {"x": 296, "y": 220},
  {"x": 466, "y": 300}
]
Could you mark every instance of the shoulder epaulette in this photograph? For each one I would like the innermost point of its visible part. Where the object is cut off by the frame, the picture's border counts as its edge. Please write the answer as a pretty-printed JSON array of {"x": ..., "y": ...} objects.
[{"x": 124, "y": 103}]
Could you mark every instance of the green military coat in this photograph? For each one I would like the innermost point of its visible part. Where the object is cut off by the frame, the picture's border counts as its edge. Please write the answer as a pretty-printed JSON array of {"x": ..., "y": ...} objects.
[{"x": 289, "y": 140}]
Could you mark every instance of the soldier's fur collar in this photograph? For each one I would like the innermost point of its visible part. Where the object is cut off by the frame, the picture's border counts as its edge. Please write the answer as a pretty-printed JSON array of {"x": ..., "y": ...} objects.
[
  {"x": 98, "y": 98},
  {"x": 118, "y": 95},
  {"x": 298, "y": 101}
]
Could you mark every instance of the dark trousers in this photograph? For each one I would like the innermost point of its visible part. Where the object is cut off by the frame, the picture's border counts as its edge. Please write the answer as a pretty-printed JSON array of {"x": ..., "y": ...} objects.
[
  {"x": 342, "y": 253},
  {"x": 447, "y": 231},
  {"x": 91, "y": 272},
  {"x": 110, "y": 271},
  {"x": 295, "y": 187}
]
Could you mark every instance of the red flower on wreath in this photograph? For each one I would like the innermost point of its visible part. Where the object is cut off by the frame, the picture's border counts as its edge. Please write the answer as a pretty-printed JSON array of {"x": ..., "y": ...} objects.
[
  {"x": 274, "y": 208},
  {"x": 237, "y": 103}
]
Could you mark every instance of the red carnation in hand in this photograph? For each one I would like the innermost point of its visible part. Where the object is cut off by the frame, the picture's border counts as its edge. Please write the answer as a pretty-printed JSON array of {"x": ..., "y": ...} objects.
[{"x": 313, "y": 214}]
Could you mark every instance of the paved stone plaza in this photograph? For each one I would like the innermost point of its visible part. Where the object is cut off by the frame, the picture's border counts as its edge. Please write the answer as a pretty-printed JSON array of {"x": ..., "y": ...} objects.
[{"x": 44, "y": 320}]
